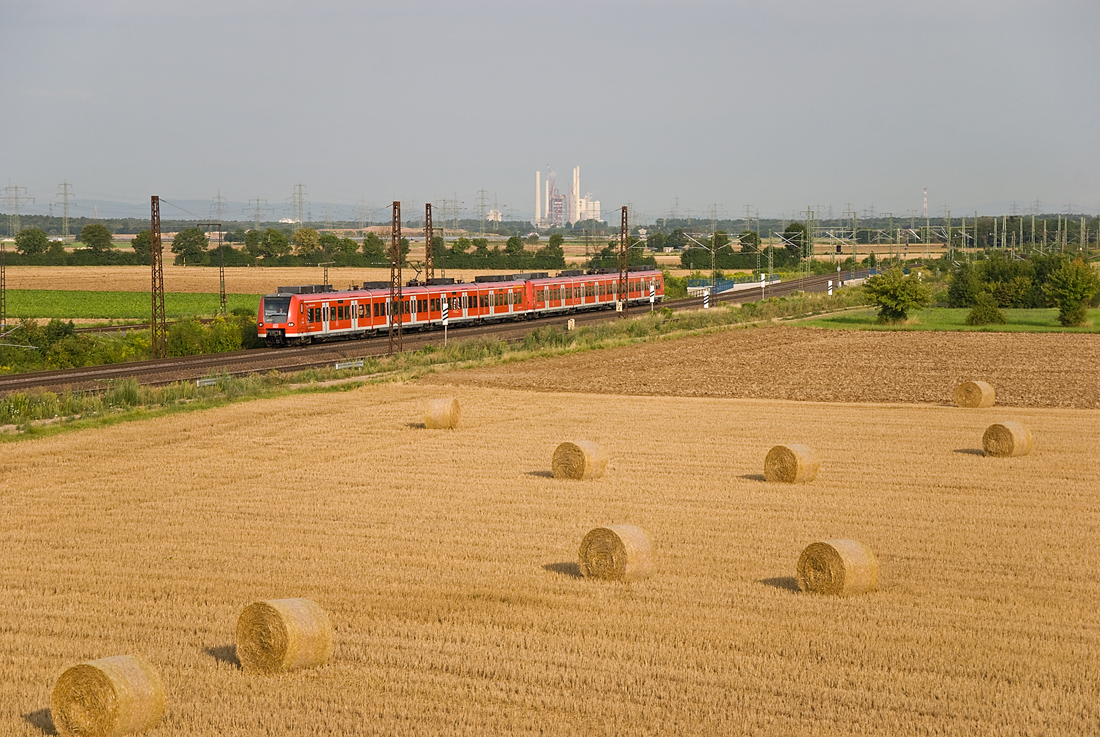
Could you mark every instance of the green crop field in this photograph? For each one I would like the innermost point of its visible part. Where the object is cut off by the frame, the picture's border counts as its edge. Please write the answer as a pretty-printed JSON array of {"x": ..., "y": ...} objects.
[
  {"x": 945, "y": 318},
  {"x": 71, "y": 305}
]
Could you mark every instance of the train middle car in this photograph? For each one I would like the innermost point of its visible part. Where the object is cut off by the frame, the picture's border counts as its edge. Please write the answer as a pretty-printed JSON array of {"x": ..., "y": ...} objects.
[{"x": 313, "y": 313}]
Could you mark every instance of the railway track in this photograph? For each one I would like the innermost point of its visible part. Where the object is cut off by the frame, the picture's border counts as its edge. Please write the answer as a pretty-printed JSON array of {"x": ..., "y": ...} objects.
[{"x": 292, "y": 359}]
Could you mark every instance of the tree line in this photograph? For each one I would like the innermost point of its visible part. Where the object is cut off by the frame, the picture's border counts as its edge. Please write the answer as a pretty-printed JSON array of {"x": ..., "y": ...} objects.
[{"x": 275, "y": 247}]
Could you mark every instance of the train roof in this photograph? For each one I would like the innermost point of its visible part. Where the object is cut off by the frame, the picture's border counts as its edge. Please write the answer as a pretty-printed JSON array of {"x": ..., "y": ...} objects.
[{"x": 487, "y": 281}]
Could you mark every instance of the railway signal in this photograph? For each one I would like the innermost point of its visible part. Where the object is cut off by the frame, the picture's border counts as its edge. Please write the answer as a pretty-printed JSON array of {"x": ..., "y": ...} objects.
[{"x": 445, "y": 312}]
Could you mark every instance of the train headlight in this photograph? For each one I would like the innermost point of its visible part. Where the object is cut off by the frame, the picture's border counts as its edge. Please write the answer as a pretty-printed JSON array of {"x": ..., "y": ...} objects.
[
  {"x": 290, "y": 324},
  {"x": 259, "y": 324}
]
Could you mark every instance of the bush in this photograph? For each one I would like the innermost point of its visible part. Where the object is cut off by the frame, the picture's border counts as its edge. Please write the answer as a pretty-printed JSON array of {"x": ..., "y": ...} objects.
[
  {"x": 1069, "y": 289},
  {"x": 985, "y": 311},
  {"x": 895, "y": 293}
]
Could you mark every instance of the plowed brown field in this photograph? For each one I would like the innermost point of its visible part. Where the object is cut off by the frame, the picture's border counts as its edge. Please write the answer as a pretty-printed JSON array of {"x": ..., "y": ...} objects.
[
  {"x": 446, "y": 560},
  {"x": 1026, "y": 369}
]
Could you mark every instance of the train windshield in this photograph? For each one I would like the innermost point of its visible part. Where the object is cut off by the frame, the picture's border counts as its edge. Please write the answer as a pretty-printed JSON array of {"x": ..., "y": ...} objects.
[{"x": 275, "y": 308}]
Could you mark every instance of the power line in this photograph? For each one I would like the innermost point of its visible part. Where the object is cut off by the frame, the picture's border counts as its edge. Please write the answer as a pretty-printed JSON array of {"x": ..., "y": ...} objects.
[
  {"x": 14, "y": 200},
  {"x": 66, "y": 195},
  {"x": 482, "y": 197},
  {"x": 217, "y": 207},
  {"x": 298, "y": 202},
  {"x": 258, "y": 208}
]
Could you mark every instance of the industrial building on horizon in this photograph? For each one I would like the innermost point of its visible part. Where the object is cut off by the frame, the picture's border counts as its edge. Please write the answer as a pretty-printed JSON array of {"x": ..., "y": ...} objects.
[{"x": 552, "y": 208}]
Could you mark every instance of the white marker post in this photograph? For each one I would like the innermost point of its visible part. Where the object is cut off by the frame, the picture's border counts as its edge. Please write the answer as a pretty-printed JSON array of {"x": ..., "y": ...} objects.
[
  {"x": 830, "y": 287},
  {"x": 446, "y": 305},
  {"x": 706, "y": 300},
  {"x": 652, "y": 296},
  {"x": 761, "y": 285}
]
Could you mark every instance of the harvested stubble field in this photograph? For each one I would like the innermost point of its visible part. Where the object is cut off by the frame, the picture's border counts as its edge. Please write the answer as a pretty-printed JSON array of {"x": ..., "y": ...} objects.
[
  {"x": 446, "y": 561},
  {"x": 811, "y": 364}
]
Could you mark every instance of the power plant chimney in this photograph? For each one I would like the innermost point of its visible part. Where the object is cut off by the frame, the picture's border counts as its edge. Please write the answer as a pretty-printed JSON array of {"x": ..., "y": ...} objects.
[
  {"x": 538, "y": 198},
  {"x": 575, "y": 205}
]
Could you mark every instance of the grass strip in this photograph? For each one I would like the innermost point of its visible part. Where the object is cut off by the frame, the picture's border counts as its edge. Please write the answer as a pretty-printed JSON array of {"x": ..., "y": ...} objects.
[
  {"x": 74, "y": 305},
  {"x": 954, "y": 319}
]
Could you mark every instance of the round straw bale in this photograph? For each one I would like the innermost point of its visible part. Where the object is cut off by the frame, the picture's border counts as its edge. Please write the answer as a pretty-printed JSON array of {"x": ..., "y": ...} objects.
[
  {"x": 442, "y": 414},
  {"x": 107, "y": 697},
  {"x": 283, "y": 634},
  {"x": 616, "y": 553},
  {"x": 838, "y": 568},
  {"x": 791, "y": 464},
  {"x": 580, "y": 460},
  {"x": 1007, "y": 439},
  {"x": 975, "y": 394}
]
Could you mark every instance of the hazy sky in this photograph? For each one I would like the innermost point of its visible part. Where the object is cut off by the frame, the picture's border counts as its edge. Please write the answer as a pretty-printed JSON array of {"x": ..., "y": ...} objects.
[{"x": 775, "y": 104}]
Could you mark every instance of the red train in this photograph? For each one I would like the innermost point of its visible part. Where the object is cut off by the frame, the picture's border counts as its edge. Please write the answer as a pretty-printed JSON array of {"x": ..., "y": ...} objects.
[{"x": 300, "y": 315}]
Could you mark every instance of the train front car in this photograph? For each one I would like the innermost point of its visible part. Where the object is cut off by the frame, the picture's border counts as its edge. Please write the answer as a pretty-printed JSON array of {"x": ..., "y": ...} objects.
[{"x": 273, "y": 319}]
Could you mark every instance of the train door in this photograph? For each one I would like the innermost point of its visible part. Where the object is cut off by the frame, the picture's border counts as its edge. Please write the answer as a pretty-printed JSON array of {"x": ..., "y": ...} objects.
[{"x": 324, "y": 318}]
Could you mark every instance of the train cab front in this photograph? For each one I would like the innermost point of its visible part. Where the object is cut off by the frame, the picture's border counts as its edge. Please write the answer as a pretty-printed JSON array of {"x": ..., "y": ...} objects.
[{"x": 274, "y": 321}]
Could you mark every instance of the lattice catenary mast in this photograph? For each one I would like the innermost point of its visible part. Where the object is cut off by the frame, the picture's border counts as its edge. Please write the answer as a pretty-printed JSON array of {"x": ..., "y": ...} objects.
[
  {"x": 158, "y": 331},
  {"x": 429, "y": 250},
  {"x": 624, "y": 233},
  {"x": 3, "y": 290},
  {"x": 396, "y": 306}
]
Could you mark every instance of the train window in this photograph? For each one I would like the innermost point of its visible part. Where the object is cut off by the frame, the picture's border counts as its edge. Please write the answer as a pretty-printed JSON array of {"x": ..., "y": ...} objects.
[
  {"x": 422, "y": 305},
  {"x": 309, "y": 315}
]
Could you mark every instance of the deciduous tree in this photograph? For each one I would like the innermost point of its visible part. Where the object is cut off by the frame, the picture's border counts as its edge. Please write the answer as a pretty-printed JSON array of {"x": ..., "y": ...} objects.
[
  {"x": 96, "y": 237},
  {"x": 31, "y": 241},
  {"x": 143, "y": 244},
  {"x": 189, "y": 245},
  {"x": 896, "y": 293},
  {"x": 1069, "y": 289}
]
